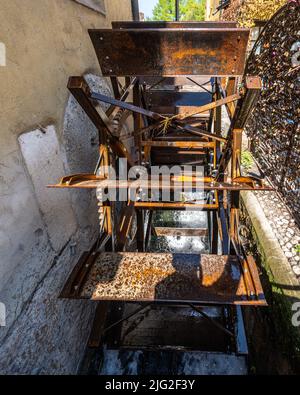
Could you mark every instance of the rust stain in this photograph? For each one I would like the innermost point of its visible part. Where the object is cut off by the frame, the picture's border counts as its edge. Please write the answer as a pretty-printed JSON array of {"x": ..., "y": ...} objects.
[{"x": 192, "y": 52}]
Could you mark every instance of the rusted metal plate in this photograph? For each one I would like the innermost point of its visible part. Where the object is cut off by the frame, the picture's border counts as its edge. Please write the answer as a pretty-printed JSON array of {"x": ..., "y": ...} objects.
[
  {"x": 172, "y": 25},
  {"x": 211, "y": 279},
  {"x": 171, "y": 52},
  {"x": 177, "y": 99}
]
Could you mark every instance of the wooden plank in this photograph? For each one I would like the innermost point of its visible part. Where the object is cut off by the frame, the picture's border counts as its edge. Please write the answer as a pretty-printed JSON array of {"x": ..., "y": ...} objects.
[
  {"x": 175, "y": 206},
  {"x": 209, "y": 279},
  {"x": 178, "y": 110},
  {"x": 181, "y": 231},
  {"x": 124, "y": 225},
  {"x": 171, "y": 52},
  {"x": 178, "y": 144},
  {"x": 210, "y": 106}
]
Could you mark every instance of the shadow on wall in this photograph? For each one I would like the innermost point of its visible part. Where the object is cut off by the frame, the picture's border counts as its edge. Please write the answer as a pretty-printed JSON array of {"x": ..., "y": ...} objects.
[{"x": 81, "y": 144}]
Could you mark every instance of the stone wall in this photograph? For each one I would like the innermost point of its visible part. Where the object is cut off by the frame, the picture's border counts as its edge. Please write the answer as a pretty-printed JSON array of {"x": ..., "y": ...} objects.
[{"x": 44, "y": 135}]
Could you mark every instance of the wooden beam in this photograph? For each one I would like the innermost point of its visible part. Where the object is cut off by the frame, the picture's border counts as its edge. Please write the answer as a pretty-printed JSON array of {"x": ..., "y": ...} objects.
[
  {"x": 124, "y": 225},
  {"x": 210, "y": 106},
  {"x": 82, "y": 93},
  {"x": 178, "y": 144},
  {"x": 203, "y": 232},
  {"x": 174, "y": 206}
]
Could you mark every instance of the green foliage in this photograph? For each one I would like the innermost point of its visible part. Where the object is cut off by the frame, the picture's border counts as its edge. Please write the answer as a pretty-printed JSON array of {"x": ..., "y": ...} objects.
[
  {"x": 247, "y": 11},
  {"x": 190, "y": 10},
  {"x": 193, "y": 10},
  {"x": 297, "y": 248},
  {"x": 247, "y": 160}
]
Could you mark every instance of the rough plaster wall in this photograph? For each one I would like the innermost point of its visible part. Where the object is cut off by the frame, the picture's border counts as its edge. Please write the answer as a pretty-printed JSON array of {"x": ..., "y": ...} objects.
[
  {"x": 80, "y": 139},
  {"x": 43, "y": 334},
  {"x": 98, "y": 5},
  {"x": 50, "y": 334},
  {"x": 45, "y": 163}
]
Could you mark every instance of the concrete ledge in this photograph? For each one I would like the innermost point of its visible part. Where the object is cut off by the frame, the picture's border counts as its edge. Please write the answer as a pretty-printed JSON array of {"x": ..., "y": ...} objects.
[{"x": 273, "y": 256}]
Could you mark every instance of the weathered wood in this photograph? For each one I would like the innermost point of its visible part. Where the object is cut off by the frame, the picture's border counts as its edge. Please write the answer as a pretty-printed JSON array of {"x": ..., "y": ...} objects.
[
  {"x": 175, "y": 206},
  {"x": 82, "y": 93},
  {"x": 174, "y": 182},
  {"x": 178, "y": 144},
  {"x": 181, "y": 231},
  {"x": 124, "y": 225}
]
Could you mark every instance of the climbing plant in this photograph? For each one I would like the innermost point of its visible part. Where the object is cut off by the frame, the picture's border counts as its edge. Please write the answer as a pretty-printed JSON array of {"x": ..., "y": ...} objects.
[{"x": 245, "y": 12}]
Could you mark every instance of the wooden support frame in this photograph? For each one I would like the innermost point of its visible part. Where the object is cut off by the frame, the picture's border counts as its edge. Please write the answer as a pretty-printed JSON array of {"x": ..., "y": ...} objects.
[
  {"x": 179, "y": 144},
  {"x": 251, "y": 91},
  {"x": 82, "y": 93},
  {"x": 140, "y": 234},
  {"x": 124, "y": 225}
]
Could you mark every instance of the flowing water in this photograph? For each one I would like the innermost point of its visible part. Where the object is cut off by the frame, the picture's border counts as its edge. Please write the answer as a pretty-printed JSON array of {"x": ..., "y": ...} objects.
[{"x": 173, "y": 339}]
